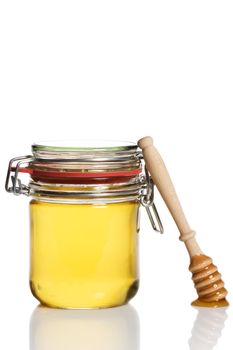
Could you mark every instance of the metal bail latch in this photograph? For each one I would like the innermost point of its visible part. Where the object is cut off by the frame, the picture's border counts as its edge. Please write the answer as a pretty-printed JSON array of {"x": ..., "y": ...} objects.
[
  {"x": 17, "y": 187},
  {"x": 147, "y": 200}
]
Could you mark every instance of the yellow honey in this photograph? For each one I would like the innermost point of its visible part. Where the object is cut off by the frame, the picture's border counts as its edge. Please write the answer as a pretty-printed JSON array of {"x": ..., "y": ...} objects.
[{"x": 84, "y": 255}]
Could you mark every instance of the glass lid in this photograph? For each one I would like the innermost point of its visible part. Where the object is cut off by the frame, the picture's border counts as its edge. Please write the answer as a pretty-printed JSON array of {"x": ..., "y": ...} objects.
[{"x": 84, "y": 146}]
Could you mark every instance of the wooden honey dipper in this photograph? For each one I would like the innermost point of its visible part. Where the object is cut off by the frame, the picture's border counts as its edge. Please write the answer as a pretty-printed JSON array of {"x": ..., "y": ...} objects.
[{"x": 206, "y": 278}]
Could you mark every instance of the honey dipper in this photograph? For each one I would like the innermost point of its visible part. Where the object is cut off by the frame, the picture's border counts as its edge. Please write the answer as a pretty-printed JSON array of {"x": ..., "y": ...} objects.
[{"x": 206, "y": 278}]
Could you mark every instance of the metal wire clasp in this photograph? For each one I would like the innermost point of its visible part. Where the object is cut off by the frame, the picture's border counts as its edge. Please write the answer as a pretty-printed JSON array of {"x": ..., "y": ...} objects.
[
  {"x": 17, "y": 187},
  {"x": 147, "y": 200}
]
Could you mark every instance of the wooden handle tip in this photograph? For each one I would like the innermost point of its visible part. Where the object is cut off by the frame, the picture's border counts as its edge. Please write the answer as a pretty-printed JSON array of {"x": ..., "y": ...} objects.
[{"x": 145, "y": 142}]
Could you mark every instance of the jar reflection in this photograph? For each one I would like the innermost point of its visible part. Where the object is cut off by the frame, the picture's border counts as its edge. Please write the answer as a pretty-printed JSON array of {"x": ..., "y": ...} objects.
[{"x": 105, "y": 329}]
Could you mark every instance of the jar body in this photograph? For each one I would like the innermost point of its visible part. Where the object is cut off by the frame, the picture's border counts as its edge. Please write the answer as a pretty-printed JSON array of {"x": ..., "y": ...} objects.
[{"x": 84, "y": 255}]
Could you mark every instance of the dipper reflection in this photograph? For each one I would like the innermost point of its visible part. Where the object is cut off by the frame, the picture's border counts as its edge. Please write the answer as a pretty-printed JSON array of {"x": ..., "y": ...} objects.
[{"x": 207, "y": 328}]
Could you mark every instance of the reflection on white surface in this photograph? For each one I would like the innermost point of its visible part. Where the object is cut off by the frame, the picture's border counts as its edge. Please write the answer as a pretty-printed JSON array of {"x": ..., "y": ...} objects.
[
  {"x": 105, "y": 329},
  {"x": 207, "y": 328}
]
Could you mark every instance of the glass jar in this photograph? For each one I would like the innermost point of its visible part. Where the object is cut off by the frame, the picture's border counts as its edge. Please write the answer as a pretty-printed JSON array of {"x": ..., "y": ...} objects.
[{"x": 84, "y": 222}]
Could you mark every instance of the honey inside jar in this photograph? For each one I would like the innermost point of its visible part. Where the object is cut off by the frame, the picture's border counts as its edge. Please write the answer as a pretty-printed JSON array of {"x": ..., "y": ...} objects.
[{"x": 84, "y": 255}]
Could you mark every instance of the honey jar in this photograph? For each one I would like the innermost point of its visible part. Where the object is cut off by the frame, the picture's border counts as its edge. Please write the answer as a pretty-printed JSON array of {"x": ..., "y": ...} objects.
[{"x": 84, "y": 220}]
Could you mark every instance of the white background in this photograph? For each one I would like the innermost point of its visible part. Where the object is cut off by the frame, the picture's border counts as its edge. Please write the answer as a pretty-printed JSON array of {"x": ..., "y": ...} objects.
[{"x": 122, "y": 70}]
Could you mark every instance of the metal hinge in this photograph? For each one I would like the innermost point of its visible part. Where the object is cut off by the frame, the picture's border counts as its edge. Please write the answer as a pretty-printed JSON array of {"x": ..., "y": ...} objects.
[
  {"x": 17, "y": 187},
  {"x": 147, "y": 201}
]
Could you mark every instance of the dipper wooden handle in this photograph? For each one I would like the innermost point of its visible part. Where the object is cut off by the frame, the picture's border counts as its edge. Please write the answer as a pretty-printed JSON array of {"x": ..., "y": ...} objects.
[
  {"x": 162, "y": 180},
  {"x": 206, "y": 278}
]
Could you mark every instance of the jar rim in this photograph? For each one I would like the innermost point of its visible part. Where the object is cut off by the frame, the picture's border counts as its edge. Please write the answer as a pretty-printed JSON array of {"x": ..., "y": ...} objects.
[{"x": 124, "y": 191}]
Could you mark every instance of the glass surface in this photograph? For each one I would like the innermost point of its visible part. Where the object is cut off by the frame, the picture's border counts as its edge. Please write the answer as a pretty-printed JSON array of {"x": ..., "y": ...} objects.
[{"x": 84, "y": 256}]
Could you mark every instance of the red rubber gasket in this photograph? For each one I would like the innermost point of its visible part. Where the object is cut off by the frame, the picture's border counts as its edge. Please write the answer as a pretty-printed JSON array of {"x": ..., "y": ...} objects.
[{"x": 58, "y": 174}]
